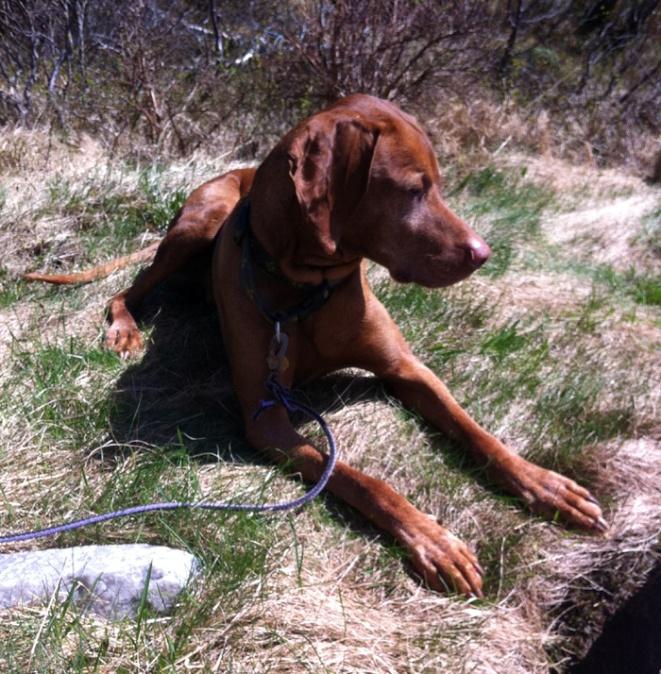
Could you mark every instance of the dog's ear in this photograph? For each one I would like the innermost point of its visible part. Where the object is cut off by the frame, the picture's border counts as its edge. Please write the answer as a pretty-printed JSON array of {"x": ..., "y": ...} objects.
[{"x": 329, "y": 164}]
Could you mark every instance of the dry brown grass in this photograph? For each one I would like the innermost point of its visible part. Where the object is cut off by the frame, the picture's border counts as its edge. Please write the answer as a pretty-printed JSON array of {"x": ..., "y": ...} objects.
[
  {"x": 600, "y": 211},
  {"x": 469, "y": 131}
]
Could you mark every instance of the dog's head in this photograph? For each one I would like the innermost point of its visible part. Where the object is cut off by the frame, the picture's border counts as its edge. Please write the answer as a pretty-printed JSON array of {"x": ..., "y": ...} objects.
[{"x": 363, "y": 181}]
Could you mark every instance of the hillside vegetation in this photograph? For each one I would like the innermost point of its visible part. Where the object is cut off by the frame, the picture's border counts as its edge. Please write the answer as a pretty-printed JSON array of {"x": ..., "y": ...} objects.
[
  {"x": 553, "y": 346},
  {"x": 155, "y": 77}
]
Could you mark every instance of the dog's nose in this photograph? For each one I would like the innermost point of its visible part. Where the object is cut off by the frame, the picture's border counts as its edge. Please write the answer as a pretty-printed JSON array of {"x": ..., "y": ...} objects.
[{"x": 477, "y": 252}]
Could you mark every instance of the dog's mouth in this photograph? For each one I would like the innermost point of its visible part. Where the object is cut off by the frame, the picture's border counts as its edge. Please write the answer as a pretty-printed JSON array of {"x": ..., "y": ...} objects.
[
  {"x": 430, "y": 275},
  {"x": 401, "y": 275}
]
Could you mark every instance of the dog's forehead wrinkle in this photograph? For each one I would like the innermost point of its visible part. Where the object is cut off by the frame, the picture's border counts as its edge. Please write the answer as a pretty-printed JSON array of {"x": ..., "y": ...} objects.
[
  {"x": 402, "y": 161},
  {"x": 401, "y": 177}
]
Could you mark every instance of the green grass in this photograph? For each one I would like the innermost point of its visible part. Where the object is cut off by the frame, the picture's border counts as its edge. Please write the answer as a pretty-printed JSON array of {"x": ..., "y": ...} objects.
[
  {"x": 513, "y": 206},
  {"x": 513, "y": 209},
  {"x": 507, "y": 340},
  {"x": 236, "y": 551},
  {"x": 58, "y": 390},
  {"x": 647, "y": 290},
  {"x": 569, "y": 415},
  {"x": 12, "y": 290},
  {"x": 104, "y": 213},
  {"x": 107, "y": 220},
  {"x": 632, "y": 285},
  {"x": 49, "y": 389}
]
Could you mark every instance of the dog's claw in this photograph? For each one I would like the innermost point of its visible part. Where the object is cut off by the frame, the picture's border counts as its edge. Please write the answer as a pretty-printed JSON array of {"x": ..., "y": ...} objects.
[
  {"x": 444, "y": 562},
  {"x": 553, "y": 495},
  {"x": 123, "y": 337},
  {"x": 601, "y": 524}
]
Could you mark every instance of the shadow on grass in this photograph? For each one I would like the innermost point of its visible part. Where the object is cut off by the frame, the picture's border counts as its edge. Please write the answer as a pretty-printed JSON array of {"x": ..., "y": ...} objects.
[
  {"x": 180, "y": 393},
  {"x": 629, "y": 641}
]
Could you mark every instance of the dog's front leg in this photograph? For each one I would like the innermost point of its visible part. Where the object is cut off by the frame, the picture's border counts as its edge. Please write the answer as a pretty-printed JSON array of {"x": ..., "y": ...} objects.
[
  {"x": 544, "y": 491},
  {"x": 437, "y": 555}
]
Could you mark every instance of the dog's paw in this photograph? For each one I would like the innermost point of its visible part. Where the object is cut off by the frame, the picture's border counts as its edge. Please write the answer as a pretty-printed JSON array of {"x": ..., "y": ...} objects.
[
  {"x": 556, "y": 496},
  {"x": 442, "y": 560},
  {"x": 124, "y": 338}
]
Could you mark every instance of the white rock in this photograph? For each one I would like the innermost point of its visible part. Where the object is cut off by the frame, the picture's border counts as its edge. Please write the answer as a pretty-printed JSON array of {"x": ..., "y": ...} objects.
[{"x": 106, "y": 579}]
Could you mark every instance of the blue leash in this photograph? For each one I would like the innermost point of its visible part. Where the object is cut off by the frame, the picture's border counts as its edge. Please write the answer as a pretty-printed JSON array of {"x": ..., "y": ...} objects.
[{"x": 280, "y": 395}]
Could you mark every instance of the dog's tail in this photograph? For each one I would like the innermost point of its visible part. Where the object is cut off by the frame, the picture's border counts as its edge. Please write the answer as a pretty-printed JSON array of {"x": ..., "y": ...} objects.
[{"x": 101, "y": 271}]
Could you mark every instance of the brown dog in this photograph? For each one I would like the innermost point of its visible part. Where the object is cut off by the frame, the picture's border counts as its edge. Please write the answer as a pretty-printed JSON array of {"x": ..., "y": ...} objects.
[{"x": 358, "y": 180}]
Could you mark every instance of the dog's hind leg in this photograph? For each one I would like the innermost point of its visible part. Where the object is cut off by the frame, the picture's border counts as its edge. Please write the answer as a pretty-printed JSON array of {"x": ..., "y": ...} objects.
[{"x": 192, "y": 233}]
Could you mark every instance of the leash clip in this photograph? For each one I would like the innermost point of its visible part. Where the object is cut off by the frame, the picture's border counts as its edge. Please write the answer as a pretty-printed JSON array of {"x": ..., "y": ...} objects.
[{"x": 276, "y": 359}]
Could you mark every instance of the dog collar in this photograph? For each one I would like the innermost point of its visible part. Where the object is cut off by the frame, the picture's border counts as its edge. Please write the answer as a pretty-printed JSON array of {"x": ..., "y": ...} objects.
[{"x": 253, "y": 253}]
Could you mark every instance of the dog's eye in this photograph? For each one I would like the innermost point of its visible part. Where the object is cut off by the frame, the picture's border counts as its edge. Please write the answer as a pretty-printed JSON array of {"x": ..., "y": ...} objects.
[{"x": 420, "y": 188}]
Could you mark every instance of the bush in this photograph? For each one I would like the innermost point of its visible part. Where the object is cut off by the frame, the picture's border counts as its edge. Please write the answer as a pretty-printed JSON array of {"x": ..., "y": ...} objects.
[{"x": 167, "y": 77}]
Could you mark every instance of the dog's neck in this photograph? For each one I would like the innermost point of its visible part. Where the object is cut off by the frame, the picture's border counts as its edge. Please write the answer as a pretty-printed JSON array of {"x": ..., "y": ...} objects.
[
  {"x": 313, "y": 270},
  {"x": 301, "y": 297},
  {"x": 298, "y": 258}
]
